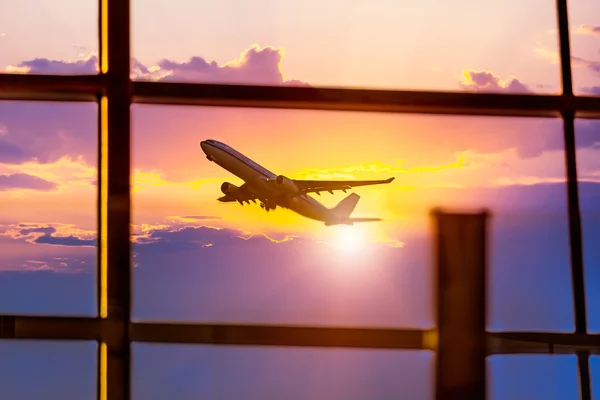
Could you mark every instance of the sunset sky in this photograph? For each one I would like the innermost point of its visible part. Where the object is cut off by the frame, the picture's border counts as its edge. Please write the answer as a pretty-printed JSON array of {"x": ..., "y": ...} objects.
[{"x": 199, "y": 260}]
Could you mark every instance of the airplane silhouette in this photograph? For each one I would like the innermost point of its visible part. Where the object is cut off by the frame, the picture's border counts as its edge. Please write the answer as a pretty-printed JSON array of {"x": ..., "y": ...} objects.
[{"x": 279, "y": 191}]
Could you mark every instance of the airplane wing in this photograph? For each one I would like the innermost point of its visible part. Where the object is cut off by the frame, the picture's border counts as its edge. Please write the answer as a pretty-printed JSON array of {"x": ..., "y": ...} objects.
[
  {"x": 330, "y": 186},
  {"x": 245, "y": 196}
]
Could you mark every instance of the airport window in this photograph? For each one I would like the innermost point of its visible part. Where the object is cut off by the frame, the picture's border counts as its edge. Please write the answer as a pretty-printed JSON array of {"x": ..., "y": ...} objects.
[{"x": 83, "y": 147}]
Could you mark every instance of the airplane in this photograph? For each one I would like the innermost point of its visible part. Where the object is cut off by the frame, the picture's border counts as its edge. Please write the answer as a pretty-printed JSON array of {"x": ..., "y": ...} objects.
[{"x": 279, "y": 191}]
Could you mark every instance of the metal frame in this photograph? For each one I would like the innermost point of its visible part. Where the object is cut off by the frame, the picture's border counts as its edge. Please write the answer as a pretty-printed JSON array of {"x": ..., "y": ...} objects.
[{"x": 113, "y": 90}]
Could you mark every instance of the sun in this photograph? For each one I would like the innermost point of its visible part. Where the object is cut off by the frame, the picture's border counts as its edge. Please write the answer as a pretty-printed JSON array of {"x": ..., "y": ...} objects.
[{"x": 349, "y": 239}]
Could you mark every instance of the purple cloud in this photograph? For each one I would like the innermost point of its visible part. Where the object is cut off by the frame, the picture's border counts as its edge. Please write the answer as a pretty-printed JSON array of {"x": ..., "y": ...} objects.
[
  {"x": 46, "y": 132},
  {"x": 55, "y": 234},
  {"x": 188, "y": 238},
  {"x": 11, "y": 153},
  {"x": 486, "y": 81},
  {"x": 87, "y": 66},
  {"x": 25, "y": 181},
  {"x": 257, "y": 66},
  {"x": 589, "y": 64},
  {"x": 595, "y": 90}
]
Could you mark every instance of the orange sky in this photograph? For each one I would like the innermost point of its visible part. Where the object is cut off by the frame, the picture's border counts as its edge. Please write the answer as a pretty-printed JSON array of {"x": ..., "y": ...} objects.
[{"x": 173, "y": 177}]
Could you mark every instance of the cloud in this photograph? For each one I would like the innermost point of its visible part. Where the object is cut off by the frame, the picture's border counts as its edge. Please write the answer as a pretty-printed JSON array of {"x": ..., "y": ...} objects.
[
  {"x": 592, "y": 90},
  {"x": 11, "y": 153},
  {"x": 576, "y": 62},
  {"x": 88, "y": 65},
  {"x": 52, "y": 234},
  {"x": 65, "y": 241},
  {"x": 486, "y": 81},
  {"x": 256, "y": 65},
  {"x": 46, "y": 230},
  {"x": 169, "y": 240},
  {"x": 28, "y": 127},
  {"x": 588, "y": 30},
  {"x": 24, "y": 181},
  {"x": 43, "y": 133}
]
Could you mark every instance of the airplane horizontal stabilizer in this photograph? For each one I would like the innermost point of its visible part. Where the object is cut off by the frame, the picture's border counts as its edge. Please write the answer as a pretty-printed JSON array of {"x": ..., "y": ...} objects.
[
  {"x": 365, "y": 219},
  {"x": 226, "y": 199}
]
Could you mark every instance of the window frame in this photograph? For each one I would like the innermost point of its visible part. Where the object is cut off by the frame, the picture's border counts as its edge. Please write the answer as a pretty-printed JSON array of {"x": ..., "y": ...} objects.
[{"x": 114, "y": 92}]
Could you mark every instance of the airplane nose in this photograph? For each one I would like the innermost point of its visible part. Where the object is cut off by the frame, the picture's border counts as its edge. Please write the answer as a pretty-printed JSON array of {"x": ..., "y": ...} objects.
[{"x": 203, "y": 145}]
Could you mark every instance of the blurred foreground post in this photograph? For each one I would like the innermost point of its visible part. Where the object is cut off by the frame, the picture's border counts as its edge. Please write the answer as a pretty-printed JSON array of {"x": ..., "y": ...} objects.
[{"x": 460, "y": 275}]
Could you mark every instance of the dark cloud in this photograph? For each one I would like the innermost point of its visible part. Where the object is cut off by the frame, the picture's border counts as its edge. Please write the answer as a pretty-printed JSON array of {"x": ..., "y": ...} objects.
[
  {"x": 486, "y": 81},
  {"x": 65, "y": 240},
  {"x": 25, "y": 181},
  {"x": 200, "y": 217},
  {"x": 48, "y": 230}
]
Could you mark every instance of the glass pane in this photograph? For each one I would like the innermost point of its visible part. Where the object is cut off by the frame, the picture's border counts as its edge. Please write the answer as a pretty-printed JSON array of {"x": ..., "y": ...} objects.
[
  {"x": 193, "y": 264},
  {"x": 49, "y": 37},
  {"x": 584, "y": 27},
  {"x": 533, "y": 377},
  {"x": 205, "y": 372},
  {"x": 32, "y": 370},
  {"x": 587, "y": 139},
  {"x": 48, "y": 157},
  {"x": 429, "y": 44},
  {"x": 595, "y": 376}
]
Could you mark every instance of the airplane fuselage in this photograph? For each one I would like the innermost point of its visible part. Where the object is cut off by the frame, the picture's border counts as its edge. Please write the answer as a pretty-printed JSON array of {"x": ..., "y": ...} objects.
[{"x": 256, "y": 176}]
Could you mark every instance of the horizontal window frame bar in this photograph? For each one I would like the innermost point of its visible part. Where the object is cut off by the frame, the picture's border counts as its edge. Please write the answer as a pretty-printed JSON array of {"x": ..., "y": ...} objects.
[
  {"x": 70, "y": 88},
  {"x": 388, "y": 101},
  {"x": 89, "y": 87},
  {"x": 97, "y": 329}
]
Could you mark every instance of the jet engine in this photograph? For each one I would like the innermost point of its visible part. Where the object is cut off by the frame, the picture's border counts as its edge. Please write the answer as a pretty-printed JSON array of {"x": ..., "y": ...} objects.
[
  {"x": 229, "y": 189},
  {"x": 287, "y": 185}
]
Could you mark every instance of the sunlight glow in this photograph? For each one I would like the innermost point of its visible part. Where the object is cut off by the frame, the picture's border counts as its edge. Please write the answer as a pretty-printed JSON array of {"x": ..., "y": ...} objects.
[{"x": 350, "y": 240}]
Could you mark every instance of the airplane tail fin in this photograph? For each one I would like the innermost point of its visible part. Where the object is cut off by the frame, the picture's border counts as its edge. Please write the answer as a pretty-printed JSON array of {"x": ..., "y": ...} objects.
[{"x": 344, "y": 208}]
